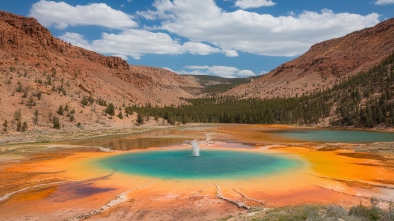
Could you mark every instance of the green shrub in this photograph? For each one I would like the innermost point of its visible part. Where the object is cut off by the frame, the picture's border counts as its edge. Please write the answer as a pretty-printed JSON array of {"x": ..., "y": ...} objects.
[
  {"x": 60, "y": 111},
  {"x": 110, "y": 109},
  {"x": 56, "y": 122}
]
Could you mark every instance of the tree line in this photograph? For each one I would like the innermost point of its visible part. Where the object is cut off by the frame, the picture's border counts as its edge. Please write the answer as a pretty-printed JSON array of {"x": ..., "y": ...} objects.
[{"x": 364, "y": 100}]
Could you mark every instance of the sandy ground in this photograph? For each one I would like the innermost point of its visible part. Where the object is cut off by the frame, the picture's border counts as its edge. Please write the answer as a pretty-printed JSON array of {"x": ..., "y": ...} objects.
[{"x": 59, "y": 181}]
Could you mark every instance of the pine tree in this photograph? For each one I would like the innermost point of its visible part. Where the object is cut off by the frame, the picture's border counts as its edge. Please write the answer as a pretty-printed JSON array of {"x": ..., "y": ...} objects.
[
  {"x": 140, "y": 119},
  {"x": 60, "y": 110},
  {"x": 24, "y": 126},
  {"x": 56, "y": 122},
  {"x": 19, "y": 126},
  {"x": 17, "y": 115},
  {"x": 5, "y": 126},
  {"x": 110, "y": 109},
  {"x": 120, "y": 115},
  {"x": 35, "y": 118}
]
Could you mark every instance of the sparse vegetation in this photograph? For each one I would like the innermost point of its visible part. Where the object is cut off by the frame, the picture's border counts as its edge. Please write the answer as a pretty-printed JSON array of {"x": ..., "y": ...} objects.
[
  {"x": 5, "y": 126},
  {"x": 35, "y": 117},
  {"x": 140, "y": 119},
  {"x": 322, "y": 213},
  {"x": 110, "y": 109},
  {"x": 24, "y": 126},
  {"x": 56, "y": 122},
  {"x": 17, "y": 115},
  {"x": 31, "y": 102},
  {"x": 25, "y": 93},
  {"x": 101, "y": 102},
  {"x": 60, "y": 111},
  {"x": 19, "y": 126},
  {"x": 84, "y": 101},
  {"x": 19, "y": 88},
  {"x": 87, "y": 101},
  {"x": 120, "y": 115}
]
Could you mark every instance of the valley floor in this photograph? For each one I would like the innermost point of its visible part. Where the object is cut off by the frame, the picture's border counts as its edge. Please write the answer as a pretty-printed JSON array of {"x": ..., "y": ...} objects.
[{"x": 57, "y": 178}]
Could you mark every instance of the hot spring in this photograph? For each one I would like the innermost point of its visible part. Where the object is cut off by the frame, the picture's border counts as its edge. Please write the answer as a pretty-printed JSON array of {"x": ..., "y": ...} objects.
[{"x": 209, "y": 164}]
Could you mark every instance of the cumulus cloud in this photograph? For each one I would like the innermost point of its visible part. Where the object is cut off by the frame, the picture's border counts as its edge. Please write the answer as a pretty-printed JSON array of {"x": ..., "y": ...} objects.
[
  {"x": 244, "y": 4},
  {"x": 255, "y": 33},
  {"x": 384, "y": 2},
  {"x": 214, "y": 31},
  {"x": 221, "y": 71},
  {"x": 230, "y": 53},
  {"x": 75, "y": 39},
  {"x": 61, "y": 15},
  {"x": 199, "y": 48},
  {"x": 135, "y": 43}
]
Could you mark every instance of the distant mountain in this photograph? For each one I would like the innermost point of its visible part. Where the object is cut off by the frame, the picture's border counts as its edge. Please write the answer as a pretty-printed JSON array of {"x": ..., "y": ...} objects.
[
  {"x": 214, "y": 85},
  {"x": 324, "y": 64}
]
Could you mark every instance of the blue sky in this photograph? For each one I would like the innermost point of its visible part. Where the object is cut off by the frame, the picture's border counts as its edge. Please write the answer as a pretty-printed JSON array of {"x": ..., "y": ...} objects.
[{"x": 227, "y": 38}]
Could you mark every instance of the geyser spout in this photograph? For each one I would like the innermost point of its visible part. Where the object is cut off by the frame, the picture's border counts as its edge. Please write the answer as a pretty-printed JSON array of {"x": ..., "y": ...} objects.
[{"x": 195, "y": 148}]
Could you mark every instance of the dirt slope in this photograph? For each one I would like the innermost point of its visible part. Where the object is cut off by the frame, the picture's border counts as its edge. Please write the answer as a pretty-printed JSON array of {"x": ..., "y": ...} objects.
[
  {"x": 41, "y": 72},
  {"x": 324, "y": 64}
]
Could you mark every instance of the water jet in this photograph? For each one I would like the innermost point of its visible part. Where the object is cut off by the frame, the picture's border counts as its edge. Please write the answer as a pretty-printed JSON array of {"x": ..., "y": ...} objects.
[{"x": 195, "y": 149}]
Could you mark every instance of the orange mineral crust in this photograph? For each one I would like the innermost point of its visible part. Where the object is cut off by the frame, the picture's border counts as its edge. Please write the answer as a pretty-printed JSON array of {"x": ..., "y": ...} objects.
[{"x": 68, "y": 184}]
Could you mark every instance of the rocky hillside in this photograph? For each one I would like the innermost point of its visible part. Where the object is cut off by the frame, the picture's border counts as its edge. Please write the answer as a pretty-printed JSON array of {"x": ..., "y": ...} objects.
[
  {"x": 40, "y": 73},
  {"x": 324, "y": 64}
]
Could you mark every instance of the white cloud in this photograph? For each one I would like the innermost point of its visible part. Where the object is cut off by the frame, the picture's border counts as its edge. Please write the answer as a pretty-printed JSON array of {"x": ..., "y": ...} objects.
[
  {"x": 199, "y": 48},
  {"x": 62, "y": 15},
  {"x": 135, "y": 43},
  {"x": 230, "y": 53},
  {"x": 214, "y": 31},
  {"x": 245, "y": 73},
  {"x": 75, "y": 39},
  {"x": 384, "y": 2},
  {"x": 167, "y": 68},
  {"x": 221, "y": 71},
  {"x": 244, "y": 4},
  {"x": 255, "y": 33}
]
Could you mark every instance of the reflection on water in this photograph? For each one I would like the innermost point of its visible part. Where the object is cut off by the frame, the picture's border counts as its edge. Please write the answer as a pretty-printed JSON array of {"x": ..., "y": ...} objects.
[
  {"x": 154, "y": 138},
  {"x": 127, "y": 143}
]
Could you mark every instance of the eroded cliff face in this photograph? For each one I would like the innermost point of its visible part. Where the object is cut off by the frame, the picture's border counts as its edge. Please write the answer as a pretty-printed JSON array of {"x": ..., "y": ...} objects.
[
  {"x": 21, "y": 34},
  {"x": 324, "y": 64}
]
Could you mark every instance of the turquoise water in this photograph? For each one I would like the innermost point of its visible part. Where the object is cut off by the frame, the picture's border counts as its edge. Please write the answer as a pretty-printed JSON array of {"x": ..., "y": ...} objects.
[
  {"x": 343, "y": 136},
  {"x": 210, "y": 164}
]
